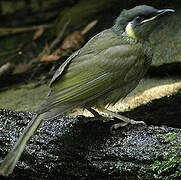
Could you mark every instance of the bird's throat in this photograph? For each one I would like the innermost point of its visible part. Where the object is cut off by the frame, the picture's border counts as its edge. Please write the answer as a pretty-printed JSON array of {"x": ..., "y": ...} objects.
[{"x": 129, "y": 31}]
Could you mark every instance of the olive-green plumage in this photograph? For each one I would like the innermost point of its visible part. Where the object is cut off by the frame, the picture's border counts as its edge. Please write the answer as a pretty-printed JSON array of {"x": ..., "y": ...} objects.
[{"x": 106, "y": 69}]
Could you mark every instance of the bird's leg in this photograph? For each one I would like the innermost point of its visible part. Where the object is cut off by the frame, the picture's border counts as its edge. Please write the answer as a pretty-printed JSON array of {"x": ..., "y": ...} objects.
[
  {"x": 125, "y": 119},
  {"x": 97, "y": 116},
  {"x": 95, "y": 113}
]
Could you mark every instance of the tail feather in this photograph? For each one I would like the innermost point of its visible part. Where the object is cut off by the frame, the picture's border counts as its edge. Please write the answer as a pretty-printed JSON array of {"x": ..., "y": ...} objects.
[
  {"x": 13, "y": 156},
  {"x": 54, "y": 112}
]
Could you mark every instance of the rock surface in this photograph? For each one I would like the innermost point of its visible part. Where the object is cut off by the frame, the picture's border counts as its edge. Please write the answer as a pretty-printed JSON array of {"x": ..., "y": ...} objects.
[{"x": 67, "y": 149}]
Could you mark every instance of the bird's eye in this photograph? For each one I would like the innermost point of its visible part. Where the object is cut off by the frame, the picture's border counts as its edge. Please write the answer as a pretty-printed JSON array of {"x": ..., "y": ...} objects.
[{"x": 139, "y": 19}]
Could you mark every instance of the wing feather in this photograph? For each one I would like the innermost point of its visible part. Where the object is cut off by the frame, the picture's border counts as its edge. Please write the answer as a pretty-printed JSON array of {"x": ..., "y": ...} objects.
[
  {"x": 81, "y": 92},
  {"x": 92, "y": 71}
]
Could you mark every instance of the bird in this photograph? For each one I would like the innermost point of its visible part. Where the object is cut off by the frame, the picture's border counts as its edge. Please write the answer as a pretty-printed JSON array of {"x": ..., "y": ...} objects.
[{"x": 107, "y": 68}]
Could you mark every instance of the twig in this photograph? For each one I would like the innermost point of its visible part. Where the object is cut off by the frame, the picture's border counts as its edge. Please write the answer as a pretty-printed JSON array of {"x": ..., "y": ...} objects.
[
  {"x": 5, "y": 68},
  {"x": 9, "y": 52},
  {"x": 47, "y": 50},
  {"x": 89, "y": 26},
  {"x": 58, "y": 38},
  {"x": 83, "y": 32},
  {"x": 7, "y": 31}
]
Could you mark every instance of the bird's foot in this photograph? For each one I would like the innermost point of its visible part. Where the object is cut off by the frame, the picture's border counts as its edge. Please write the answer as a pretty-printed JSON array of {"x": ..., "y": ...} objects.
[
  {"x": 136, "y": 122},
  {"x": 123, "y": 118},
  {"x": 122, "y": 124}
]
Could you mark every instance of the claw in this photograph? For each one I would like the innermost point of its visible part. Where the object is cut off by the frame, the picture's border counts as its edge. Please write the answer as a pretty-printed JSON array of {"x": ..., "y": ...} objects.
[
  {"x": 117, "y": 126},
  {"x": 137, "y": 122},
  {"x": 122, "y": 124}
]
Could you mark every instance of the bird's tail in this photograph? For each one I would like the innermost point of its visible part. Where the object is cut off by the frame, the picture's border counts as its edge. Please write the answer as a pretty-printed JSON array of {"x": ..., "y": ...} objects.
[{"x": 13, "y": 156}]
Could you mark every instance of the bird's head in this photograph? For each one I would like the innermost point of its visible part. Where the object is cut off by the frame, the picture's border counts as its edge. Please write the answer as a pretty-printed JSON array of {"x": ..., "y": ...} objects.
[{"x": 139, "y": 21}]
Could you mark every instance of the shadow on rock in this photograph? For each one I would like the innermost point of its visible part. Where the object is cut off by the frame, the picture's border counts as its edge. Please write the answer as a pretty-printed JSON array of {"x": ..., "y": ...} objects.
[{"x": 65, "y": 148}]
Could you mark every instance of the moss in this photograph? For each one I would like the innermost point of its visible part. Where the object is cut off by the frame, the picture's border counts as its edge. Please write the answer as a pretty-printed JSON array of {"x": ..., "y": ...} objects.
[
  {"x": 170, "y": 165},
  {"x": 167, "y": 164}
]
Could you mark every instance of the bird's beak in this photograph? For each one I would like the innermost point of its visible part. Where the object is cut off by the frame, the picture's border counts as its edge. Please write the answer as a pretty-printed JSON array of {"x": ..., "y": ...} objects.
[
  {"x": 158, "y": 14},
  {"x": 164, "y": 12}
]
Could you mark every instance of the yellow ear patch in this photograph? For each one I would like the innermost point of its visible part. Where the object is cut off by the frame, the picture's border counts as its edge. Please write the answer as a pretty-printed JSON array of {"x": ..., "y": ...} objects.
[{"x": 129, "y": 31}]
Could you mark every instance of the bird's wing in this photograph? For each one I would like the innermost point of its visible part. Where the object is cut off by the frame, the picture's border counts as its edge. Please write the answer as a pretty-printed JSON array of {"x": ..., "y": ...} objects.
[
  {"x": 79, "y": 88},
  {"x": 62, "y": 67},
  {"x": 90, "y": 74},
  {"x": 97, "y": 43}
]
